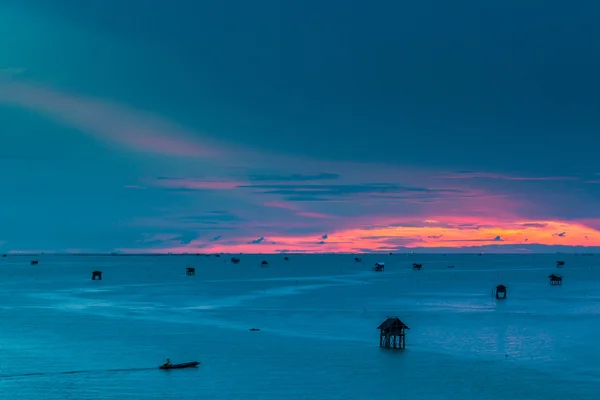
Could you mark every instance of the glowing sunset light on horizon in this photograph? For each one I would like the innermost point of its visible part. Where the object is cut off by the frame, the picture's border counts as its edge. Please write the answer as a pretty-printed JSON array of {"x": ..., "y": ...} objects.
[{"x": 449, "y": 233}]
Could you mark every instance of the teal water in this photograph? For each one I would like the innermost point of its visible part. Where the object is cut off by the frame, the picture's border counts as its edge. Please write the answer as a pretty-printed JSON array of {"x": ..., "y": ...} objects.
[{"x": 63, "y": 336}]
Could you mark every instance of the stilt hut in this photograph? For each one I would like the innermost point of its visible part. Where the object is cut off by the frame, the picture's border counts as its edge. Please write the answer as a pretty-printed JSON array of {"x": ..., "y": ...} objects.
[
  {"x": 357, "y": 259},
  {"x": 34, "y": 262},
  {"x": 286, "y": 259},
  {"x": 500, "y": 292},
  {"x": 418, "y": 267},
  {"x": 4, "y": 255},
  {"x": 97, "y": 275},
  {"x": 560, "y": 264},
  {"x": 235, "y": 260},
  {"x": 555, "y": 279},
  {"x": 379, "y": 267},
  {"x": 391, "y": 333},
  {"x": 189, "y": 271},
  {"x": 264, "y": 264}
]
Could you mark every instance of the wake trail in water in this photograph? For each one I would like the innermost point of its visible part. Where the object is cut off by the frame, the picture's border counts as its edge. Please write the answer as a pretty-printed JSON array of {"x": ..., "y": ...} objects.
[{"x": 89, "y": 371}]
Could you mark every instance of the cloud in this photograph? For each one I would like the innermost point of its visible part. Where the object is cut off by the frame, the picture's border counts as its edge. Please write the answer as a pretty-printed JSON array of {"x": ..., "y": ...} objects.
[
  {"x": 323, "y": 192},
  {"x": 322, "y": 242},
  {"x": 534, "y": 225},
  {"x": 435, "y": 236},
  {"x": 293, "y": 177},
  {"x": 324, "y": 236},
  {"x": 498, "y": 239},
  {"x": 108, "y": 121},
  {"x": 487, "y": 175},
  {"x": 196, "y": 184},
  {"x": 216, "y": 238},
  {"x": 257, "y": 241},
  {"x": 562, "y": 234}
]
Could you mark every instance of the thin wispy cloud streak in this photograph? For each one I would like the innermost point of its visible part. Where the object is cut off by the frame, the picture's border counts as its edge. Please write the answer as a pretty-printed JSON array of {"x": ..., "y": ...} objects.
[
  {"x": 108, "y": 121},
  {"x": 487, "y": 175}
]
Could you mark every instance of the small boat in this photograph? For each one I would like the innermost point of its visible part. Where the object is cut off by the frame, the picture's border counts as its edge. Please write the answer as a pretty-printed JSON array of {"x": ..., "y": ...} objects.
[{"x": 180, "y": 366}]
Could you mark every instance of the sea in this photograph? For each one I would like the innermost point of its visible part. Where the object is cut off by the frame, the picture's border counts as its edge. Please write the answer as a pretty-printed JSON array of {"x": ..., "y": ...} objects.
[{"x": 64, "y": 336}]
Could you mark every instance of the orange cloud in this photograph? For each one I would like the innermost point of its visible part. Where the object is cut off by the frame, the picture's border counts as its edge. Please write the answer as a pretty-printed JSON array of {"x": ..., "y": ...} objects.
[{"x": 439, "y": 231}]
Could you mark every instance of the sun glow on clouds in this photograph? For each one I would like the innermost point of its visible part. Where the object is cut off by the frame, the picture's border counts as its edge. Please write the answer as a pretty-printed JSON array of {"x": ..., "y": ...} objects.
[
  {"x": 289, "y": 201},
  {"x": 444, "y": 232}
]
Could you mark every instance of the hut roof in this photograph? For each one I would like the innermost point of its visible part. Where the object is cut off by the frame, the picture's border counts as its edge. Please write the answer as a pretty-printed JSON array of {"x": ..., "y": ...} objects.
[
  {"x": 553, "y": 276},
  {"x": 379, "y": 263},
  {"x": 500, "y": 287},
  {"x": 391, "y": 321}
]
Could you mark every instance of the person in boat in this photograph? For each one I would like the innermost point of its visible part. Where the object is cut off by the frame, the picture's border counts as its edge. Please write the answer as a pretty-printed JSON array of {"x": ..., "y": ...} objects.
[{"x": 168, "y": 363}]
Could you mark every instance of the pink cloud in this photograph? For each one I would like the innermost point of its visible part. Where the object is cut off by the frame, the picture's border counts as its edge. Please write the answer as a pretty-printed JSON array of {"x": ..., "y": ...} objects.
[
  {"x": 283, "y": 205},
  {"x": 108, "y": 121}
]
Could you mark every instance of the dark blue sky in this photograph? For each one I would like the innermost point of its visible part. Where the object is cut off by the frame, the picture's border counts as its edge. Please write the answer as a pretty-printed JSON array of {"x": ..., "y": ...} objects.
[{"x": 415, "y": 90}]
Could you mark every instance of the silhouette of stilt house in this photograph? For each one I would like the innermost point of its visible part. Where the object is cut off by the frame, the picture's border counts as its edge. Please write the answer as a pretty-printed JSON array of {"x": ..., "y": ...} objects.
[
  {"x": 391, "y": 333},
  {"x": 500, "y": 292},
  {"x": 34, "y": 262},
  {"x": 417, "y": 267},
  {"x": 4, "y": 255},
  {"x": 235, "y": 260},
  {"x": 189, "y": 271},
  {"x": 555, "y": 279},
  {"x": 357, "y": 259},
  {"x": 560, "y": 264},
  {"x": 286, "y": 259},
  {"x": 379, "y": 267},
  {"x": 97, "y": 275},
  {"x": 264, "y": 264}
]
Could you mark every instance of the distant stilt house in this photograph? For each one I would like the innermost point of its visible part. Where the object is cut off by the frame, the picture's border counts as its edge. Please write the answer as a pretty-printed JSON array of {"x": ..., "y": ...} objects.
[
  {"x": 189, "y": 271},
  {"x": 286, "y": 258},
  {"x": 34, "y": 262},
  {"x": 418, "y": 266},
  {"x": 4, "y": 255},
  {"x": 450, "y": 266},
  {"x": 235, "y": 260},
  {"x": 391, "y": 254},
  {"x": 97, "y": 275},
  {"x": 560, "y": 264},
  {"x": 391, "y": 333},
  {"x": 264, "y": 264},
  {"x": 217, "y": 255},
  {"x": 555, "y": 279},
  {"x": 357, "y": 259},
  {"x": 500, "y": 292},
  {"x": 379, "y": 267}
]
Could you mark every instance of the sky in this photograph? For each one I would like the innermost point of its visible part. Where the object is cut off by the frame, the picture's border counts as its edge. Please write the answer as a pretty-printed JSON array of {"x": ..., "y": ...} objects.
[{"x": 299, "y": 126}]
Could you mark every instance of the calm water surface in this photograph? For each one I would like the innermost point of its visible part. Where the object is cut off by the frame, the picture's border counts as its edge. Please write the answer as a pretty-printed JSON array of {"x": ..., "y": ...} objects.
[{"x": 63, "y": 336}]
